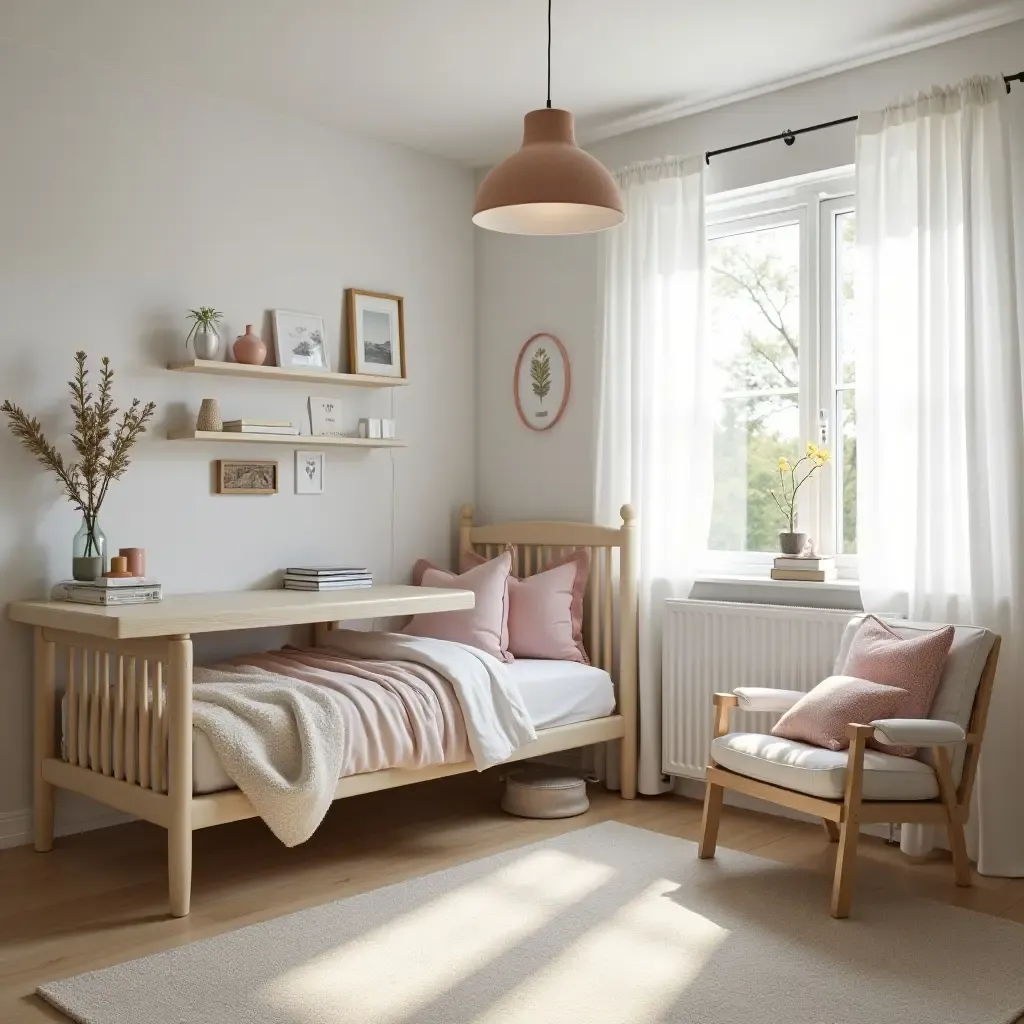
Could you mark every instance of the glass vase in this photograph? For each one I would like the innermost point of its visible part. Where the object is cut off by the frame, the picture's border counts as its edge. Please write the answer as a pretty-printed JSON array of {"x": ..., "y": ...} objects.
[{"x": 89, "y": 551}]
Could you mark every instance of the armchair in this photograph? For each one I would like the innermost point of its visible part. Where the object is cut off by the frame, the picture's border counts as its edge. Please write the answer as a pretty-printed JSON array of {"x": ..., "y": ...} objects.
[{"x": 851, "y": 787}]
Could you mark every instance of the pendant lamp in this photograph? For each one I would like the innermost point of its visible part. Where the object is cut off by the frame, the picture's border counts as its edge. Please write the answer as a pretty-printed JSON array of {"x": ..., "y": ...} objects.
[{"x": 551, "y": 186}]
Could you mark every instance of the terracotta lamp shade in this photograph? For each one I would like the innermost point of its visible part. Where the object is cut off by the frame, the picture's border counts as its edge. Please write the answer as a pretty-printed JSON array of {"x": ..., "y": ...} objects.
[{"x": 550, "y": 187}]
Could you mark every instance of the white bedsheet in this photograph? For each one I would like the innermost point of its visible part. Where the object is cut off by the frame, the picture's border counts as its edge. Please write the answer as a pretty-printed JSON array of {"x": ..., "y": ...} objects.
[{"x": 554, "y": 692}]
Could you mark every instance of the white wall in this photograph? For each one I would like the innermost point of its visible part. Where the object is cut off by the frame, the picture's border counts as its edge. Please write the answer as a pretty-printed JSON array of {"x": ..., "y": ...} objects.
[
  {"x": 529, "y": 285},
  {"x": 121, "y": 205}
]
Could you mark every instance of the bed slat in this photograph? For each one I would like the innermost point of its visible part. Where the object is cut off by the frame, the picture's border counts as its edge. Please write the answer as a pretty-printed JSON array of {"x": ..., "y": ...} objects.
[
  {"x": 132, "y": 727},
  {"x": 119, "y": 720},
  {"x": 106, "y": 758},
  {"x": 144, "y": 704},
  {"x": 71, "y": 710}
]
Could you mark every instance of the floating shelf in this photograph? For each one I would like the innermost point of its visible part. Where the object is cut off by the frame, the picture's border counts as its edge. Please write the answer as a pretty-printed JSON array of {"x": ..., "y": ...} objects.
[
  {"x": 295, "y": 440},
  {"x": 359, "y": 380}
]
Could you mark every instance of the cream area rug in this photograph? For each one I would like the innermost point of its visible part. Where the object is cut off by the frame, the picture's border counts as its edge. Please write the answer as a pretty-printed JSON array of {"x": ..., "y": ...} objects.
[{"x": 605, "y": 924}]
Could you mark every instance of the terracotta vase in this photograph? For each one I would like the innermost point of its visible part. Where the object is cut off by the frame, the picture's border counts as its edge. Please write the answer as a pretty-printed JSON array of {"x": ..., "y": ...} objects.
[{"x": 249, "y": 348}]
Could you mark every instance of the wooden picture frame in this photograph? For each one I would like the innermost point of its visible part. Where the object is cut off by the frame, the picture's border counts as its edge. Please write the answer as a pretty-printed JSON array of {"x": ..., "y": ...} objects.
[
  {"x": 383, "y": 313},
  {"x": 247, "y": 476},
  {"x": 526, "y": 387}
]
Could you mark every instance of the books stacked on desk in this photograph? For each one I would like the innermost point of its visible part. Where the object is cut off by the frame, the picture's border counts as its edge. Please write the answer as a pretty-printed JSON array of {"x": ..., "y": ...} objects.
[
  {"x": 805, "y": 568},
  {"x": 111, "y": 592},
  {"x": 261, "y": 427},
  {"x": 326, "y": 578}
]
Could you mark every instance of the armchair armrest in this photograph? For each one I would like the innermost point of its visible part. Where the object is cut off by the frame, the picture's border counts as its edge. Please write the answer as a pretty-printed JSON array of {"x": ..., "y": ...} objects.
[
  {"x": 765, "y": 698},
  {"x": 917, "y": 732}
]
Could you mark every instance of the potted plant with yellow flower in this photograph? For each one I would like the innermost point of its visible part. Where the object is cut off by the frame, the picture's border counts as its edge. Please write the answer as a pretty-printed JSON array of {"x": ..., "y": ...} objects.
[{"x": 791, "y": 479}]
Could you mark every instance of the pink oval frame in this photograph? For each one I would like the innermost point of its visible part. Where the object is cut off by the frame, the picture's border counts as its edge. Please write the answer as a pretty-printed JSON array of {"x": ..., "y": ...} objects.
[{"x": 568, "y": 380}]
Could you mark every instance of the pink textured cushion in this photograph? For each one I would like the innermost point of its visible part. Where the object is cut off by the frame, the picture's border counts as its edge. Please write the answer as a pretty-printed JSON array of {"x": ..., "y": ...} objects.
[
  {"x": 821, "y": 717},
  {"x": 545, "y": 618},
  {"x": 484, "y": 626},
  {"x": 914, "y": 664}
]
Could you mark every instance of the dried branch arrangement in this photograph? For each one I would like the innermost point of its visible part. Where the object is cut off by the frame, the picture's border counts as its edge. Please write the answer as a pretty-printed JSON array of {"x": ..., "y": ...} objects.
[{"x": 102, "y": 445}]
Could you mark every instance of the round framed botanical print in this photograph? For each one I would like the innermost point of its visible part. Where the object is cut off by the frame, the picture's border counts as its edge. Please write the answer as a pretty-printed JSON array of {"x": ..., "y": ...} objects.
[{"x": 541, "y": 382}]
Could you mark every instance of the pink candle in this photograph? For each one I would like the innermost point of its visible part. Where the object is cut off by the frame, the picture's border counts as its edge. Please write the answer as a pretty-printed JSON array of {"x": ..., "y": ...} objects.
[{"x": 136, "y": 560}]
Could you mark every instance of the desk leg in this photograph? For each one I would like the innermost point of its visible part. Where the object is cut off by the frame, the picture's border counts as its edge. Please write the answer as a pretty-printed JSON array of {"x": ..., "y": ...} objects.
[
  {"x": 45, "y": 702},
  {"x": 179, "y": 778}
]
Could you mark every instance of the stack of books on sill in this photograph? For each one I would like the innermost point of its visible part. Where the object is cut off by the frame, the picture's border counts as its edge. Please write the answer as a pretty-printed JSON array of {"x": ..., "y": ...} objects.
[
  {"x": 805, "y": 568},
  {"x": 279, "y": 427},
  {"x": 110, "y": 592},
  {"x": 326, "y": 578}
]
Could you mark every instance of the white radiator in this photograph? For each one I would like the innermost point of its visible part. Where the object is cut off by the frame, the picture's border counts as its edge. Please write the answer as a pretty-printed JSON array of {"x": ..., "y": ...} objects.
[{"x": 714, "y": 646}]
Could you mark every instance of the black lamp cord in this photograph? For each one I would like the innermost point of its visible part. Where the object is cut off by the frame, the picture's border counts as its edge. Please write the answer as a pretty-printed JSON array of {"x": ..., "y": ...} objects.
[{"x": 549, "y": 54}]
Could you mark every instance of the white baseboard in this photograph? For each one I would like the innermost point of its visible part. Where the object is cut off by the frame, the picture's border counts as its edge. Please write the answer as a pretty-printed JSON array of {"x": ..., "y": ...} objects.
[{"x": 78, "y": 815}]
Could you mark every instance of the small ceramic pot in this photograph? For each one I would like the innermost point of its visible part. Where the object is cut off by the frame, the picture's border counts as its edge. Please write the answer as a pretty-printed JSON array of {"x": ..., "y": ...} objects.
[
  {"x": 206, "y": 343},
  {"x": 792, "y": 543},
  {"x": 209, "y": 415},
  {"x": 136, "y": 560},
  {"x": 249, "y": 348}
]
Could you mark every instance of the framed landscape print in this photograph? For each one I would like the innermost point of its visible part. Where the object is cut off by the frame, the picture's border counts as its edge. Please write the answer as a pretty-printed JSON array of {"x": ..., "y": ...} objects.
[
  {"x": 541, "y": 381},
  {"x": 250, "y": 477},
  {"x": 376, "y": 333},
  {"x": 299, "y": 340}
]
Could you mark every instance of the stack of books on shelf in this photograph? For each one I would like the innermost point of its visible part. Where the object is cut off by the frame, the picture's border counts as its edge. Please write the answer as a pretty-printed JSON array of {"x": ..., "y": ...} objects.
[
  {"x": 261, "y": 427},
  {"x": 108, "y": 592},
  {"x": 805, "y": 568},
  {"x": 326, "y": 578}
]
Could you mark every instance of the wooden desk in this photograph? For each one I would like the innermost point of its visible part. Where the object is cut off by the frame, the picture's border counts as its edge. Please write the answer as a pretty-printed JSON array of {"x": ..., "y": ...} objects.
[{"x": 129, "y": 698}]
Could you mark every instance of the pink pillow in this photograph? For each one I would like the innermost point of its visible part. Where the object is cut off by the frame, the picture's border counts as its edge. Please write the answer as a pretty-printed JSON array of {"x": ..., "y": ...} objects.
[
  {"x": 821, "y": 716},
  {"x": 914, "y": 664},
  {"x": 545, "y": 618},
  {"x": 484, "y": 626}
]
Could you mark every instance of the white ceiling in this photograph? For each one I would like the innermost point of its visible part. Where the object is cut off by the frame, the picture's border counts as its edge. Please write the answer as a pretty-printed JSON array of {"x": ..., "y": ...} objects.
[{"x": 454, "y": 77}]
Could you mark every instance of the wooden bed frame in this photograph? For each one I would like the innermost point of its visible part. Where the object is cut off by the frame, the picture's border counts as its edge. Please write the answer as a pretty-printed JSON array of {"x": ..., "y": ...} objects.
[{"x": 129, "y": 683}]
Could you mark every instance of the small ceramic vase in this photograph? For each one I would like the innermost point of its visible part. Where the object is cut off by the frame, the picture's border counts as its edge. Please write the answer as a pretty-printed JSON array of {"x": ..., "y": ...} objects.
[
  {"x": 249, "y": 348},
  {"x": 209, "y": 416},
  {"x": 136, "y": 560},
  {"x": 206, "y": 342},
  {"x": 792, "y": 543}
]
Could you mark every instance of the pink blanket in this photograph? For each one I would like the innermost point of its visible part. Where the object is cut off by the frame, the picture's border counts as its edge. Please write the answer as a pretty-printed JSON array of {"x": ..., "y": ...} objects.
[{"x": 397, "y": 714}]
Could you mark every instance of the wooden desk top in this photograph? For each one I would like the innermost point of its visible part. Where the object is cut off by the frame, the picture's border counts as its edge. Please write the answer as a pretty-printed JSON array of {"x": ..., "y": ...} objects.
[{"x": 245, "y": 609}]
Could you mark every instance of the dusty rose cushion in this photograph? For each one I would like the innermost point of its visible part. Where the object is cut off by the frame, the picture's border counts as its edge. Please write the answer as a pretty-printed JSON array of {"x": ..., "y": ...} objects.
[
  {"x": 821, "y": 717},
  {"x": 485, "y": 626},
  {"x": 545, "y": 618}
]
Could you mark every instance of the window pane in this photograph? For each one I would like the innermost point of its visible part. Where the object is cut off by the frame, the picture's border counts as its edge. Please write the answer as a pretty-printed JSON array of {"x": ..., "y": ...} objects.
[
  {"x": 846, "y": 347},
  {"x": 848, "y": 471},
  {"x": 751, "y": 435},
  {"x": 755, "y": 308}
]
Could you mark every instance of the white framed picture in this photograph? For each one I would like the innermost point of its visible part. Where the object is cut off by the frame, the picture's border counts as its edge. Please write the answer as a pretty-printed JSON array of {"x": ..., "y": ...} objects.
[
  {"x": 309, "y": 472},
  {"x": 299, "y": 340},
  {"x": 376, "y": 333},
  {"x": 325, "y": 417}
]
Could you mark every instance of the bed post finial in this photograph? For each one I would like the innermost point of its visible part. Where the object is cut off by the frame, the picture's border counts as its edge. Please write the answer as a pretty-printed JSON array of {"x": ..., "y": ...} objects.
[
  {"x": 465, "y": 531},
  {"x": 628, "y": 515}
]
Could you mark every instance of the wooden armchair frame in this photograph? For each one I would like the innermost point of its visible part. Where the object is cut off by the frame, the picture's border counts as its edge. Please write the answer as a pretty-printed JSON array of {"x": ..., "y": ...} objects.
[{"x": 842, "y": 818}]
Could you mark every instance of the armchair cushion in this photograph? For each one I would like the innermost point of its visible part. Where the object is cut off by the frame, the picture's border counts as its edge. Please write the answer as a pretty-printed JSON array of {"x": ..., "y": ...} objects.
[
  {"x": 819, "y": 772},
  {"x": 922, "y": 732},
  {"x": 766, "y": 698},
  {"x": 821, "y": 716}
]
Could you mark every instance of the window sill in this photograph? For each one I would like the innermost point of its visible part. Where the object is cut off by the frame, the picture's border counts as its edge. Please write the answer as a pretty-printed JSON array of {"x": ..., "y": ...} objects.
[{"x": 749, "y": 589}]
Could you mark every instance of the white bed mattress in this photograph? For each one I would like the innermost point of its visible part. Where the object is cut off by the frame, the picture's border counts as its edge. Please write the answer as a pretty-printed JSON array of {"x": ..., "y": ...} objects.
[{"x": 555, "y": 693}]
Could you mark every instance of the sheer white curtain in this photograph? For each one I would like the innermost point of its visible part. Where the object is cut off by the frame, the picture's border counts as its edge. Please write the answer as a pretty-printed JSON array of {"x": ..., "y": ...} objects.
[
  {"x": 654, "y": 430},
  {"x": 940, "y": 416}
]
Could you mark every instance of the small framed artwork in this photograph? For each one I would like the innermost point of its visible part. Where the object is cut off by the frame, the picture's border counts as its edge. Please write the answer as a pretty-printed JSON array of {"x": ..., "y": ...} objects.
[
  {"x": 299, "y": 340},
  {"x": 376, "y": 333},
  {"x": 246, "y": 477},
  {"x": 325, "y": 417},
  {"x": 309, "y": 472},
  {"x": 541, "y": 381}
]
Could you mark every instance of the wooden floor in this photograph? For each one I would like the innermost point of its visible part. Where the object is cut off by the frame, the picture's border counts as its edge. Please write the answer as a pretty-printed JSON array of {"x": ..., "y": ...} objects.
[{"x": 100, "y": 898}]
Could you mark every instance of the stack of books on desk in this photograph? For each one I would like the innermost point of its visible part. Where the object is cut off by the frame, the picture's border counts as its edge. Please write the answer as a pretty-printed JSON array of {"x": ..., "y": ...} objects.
[
  {"x": 326, "y": 578},
  {"x": 108, "y": 592},
  {"x": 805, "y": 568},
  {"x": 261, "y": 427}
]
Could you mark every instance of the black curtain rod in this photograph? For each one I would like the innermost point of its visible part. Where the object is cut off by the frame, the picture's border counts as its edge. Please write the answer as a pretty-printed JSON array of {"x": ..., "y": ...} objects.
[{"x": 789, "y": 137}]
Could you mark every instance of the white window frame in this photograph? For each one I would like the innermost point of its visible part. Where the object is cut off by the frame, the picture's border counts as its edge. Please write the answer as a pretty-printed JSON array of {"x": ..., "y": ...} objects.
[{"x": 812, "y": 201}]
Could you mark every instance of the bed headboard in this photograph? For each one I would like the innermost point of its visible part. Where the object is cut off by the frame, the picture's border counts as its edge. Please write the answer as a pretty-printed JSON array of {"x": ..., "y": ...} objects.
[{"x": 611, "y": 588}]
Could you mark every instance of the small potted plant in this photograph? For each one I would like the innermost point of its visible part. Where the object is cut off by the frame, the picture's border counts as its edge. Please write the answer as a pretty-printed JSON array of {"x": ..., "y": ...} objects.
[
  {"x": 203, "y": 335},
  {"x": 102, "y": 448},
  {"x": 790, "y": 481}
]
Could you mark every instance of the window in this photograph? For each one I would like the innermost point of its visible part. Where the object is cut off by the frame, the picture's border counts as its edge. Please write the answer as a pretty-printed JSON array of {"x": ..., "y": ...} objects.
[{"x": 781, "y": 330}]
